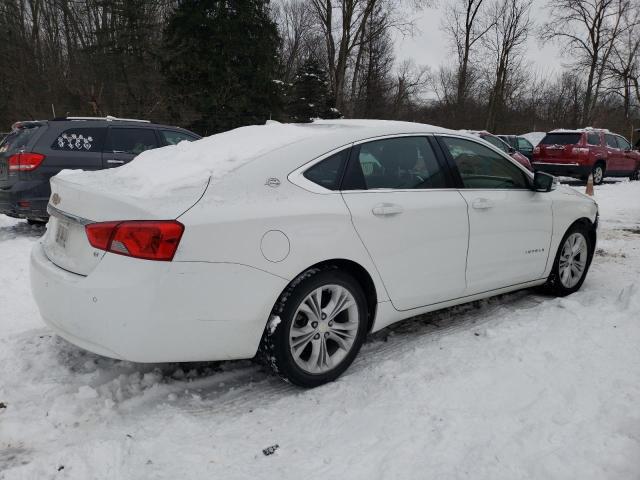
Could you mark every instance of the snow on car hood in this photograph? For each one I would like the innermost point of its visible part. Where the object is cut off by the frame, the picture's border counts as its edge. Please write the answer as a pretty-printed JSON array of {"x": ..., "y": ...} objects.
[{"x": 167, "y": 181}]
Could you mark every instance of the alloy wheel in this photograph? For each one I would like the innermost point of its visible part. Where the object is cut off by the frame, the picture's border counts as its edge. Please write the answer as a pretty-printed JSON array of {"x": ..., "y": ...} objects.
[
  {"x": 324, "y": 329},
  {"x": 597, "y": 175},
  {"x": 573, "y": 260}
]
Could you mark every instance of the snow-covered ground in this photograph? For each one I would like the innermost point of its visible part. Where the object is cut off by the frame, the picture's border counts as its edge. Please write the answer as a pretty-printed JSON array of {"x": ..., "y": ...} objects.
[{"x": 520, "y": 386}]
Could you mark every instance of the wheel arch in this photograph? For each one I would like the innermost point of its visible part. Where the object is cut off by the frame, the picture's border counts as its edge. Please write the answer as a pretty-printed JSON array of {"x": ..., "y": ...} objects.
[
  {"x": 359, "y": 273},
  {"x": 591, "y": 228}
]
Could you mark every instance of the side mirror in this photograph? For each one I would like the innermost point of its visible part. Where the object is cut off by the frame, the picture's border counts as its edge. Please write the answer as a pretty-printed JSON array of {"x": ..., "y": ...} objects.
[{"x": 543, "y": 182}]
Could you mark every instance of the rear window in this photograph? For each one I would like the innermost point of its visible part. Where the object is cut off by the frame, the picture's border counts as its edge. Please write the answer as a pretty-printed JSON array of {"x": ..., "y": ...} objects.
[
  {"x": 561, "y": 139},
  {"x": 18, "y": 139},
  {"x": 80, "y": 140}
]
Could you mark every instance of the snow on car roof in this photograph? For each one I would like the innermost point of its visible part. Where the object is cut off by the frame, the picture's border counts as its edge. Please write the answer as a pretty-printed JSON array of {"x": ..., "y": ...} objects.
[
  {"x": 189, "y": 164},
  {"x": 578, "y": 130}
]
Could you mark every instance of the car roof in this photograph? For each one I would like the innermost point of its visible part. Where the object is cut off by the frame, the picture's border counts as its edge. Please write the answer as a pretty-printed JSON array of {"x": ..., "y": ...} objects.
[{"x": 579, "y": 130}]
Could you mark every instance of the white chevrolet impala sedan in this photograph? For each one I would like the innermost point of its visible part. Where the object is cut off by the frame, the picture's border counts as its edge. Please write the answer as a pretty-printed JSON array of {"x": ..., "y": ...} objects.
[{"x": 293, "y": 242}]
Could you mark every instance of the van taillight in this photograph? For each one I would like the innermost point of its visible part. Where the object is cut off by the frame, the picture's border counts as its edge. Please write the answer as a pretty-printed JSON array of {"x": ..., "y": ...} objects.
[
  {"x": 147, "y": 239},
  {"x": 25, "y": 162}
]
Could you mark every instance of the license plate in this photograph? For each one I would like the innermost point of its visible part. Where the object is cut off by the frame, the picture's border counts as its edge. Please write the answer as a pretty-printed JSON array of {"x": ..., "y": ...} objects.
[{"x": 62, "y": 233}]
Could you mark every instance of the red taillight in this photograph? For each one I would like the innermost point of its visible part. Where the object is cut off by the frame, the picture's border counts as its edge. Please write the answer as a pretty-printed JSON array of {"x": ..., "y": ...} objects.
[
  {"x": 147, "y": 239},
  {"x": 25, "y": 162}
]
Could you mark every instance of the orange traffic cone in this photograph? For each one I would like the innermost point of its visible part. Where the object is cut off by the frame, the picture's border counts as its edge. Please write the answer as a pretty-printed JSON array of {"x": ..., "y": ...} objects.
[{"x": 590, "y": 185}]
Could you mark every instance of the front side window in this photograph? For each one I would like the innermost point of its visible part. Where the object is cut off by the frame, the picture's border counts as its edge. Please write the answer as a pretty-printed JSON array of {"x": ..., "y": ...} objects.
[
  {"x": 611, "y": 141},
  {"x": 131, "y": 140},
  {"x": 593, "y": 139},
  {"x": 481, "y": 167},
  {"x": 395, "y": 163},
  {"x": 328, "y": 172},
  {"x": 623, "y": 143},
  {"x": 80, "y": 140},
  {"x": 171, "y": 137}
]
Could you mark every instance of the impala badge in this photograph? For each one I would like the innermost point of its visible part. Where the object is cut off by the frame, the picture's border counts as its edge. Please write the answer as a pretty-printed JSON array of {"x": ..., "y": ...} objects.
[{"x": 55, "y": 199}]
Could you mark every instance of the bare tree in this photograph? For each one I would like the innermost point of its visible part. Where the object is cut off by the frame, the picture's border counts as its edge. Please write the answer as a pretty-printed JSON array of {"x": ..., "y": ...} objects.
[
  {"x": 465, "y": 23},
  {"x": 510, "y": 26},
  {"x": 589, "y": 28}
]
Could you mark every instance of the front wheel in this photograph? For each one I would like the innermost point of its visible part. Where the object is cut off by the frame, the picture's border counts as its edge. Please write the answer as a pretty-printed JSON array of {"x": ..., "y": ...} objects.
[
  {"x": 572, "y": 262},
  {"x": 317, "y": 328},
  {"x": 635, "y": 176}
]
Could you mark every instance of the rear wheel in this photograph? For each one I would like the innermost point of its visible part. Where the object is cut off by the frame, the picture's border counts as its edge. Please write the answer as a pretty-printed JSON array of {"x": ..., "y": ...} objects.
[
  {"x": 572, "y": 262},
  {"x": 316, "y": 329},
  {"x": 635, "y": 175},
  {"x": 598, "y": 173}
]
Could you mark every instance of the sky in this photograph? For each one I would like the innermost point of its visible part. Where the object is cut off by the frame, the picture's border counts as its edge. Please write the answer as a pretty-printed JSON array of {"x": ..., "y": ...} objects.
[{"x": 429, "y": 46}]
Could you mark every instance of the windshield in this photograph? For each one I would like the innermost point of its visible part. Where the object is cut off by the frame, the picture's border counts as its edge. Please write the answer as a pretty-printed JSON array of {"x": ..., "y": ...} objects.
[
  {"x": 561, "y": 139},
  {"x": 18, "y": 138}
]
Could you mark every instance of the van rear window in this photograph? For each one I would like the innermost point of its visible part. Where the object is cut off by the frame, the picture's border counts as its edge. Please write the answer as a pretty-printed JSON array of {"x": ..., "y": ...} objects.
[
  {"x": 18, "y": 139},
  {"x": 561, "y": 139}
]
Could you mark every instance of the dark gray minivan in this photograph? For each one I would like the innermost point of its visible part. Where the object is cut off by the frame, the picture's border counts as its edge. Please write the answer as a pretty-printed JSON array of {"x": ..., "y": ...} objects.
[{"x": 35, "y": 151}]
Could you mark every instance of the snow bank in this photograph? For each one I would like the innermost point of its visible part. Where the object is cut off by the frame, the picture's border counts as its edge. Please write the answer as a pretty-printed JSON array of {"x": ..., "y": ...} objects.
[{"x": 190, "y": 164}]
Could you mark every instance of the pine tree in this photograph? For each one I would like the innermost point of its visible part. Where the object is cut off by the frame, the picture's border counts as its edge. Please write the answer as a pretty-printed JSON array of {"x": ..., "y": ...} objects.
[
  {"x": 309, "y": 97},
  {"x": 220, "y": 62}
]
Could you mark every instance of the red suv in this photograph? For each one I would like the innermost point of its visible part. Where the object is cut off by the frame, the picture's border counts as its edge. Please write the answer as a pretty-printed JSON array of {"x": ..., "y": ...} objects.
[{"x": 577, "y": 153}]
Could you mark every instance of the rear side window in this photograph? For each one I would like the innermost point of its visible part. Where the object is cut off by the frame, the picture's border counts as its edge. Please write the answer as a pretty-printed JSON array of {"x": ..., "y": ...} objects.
[
  {"x": 396, "y": 163},
  {"x": 561, "y": 139},
  {"x": 593, "y": 139},
  {"x": 18, "y": 139},
  {"x": 131, "y": 140},
  {"x": 80, "y": 140},
  {"x": 172, "y": 137},
  {"x": 611, "y": 141},
  {"x": 327, "y": 173}
]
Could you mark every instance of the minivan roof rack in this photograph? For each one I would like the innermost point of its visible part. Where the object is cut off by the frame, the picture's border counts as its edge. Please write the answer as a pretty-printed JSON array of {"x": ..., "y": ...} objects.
[{"x": 108, "y": 118}]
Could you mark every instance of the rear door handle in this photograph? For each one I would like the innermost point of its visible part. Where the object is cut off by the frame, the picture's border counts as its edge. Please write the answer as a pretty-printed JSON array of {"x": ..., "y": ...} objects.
[
  {"x": 119, "y": 162},
  {"x": 482, "y": 203},
  {"x": 387, "y": 209}
]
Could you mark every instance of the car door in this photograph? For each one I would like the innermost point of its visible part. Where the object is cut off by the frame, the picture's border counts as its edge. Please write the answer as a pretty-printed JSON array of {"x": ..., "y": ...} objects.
[
  {"x": 412, "y": 223},
  {"x": 510, "y": 225},
  {"x": 125, "y": 143},
  {"x": 615, "y": 161},
  {"x": 629, "y": 159}
]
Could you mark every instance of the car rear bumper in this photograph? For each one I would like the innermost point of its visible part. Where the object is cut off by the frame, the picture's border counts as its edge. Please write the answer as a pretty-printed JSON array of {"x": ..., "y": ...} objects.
[
  {"x": 562, "y": 169},
  {"x": 25, "y": 200},
  {"x": 146, "y": 311}
]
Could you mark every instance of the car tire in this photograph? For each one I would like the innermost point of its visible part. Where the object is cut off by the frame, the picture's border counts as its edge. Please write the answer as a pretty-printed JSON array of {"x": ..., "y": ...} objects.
[
  {"x": 316, "y": 328},
  {"x": 598, "y": 173},
  {"x": 635, "y": 176},
  {"x": 574, "y": 250}
]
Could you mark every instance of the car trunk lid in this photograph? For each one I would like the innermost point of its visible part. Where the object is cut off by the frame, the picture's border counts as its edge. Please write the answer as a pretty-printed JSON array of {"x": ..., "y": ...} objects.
[
  {"x": 74, "y": 204},
  {"x": 558, "y": 146}
]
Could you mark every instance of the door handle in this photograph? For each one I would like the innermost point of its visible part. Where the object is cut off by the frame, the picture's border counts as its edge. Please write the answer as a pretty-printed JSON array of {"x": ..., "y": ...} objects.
[
  {"x": 482, "y": 203},
  {"x": 119, "y": 162},
  {"x": 387, "y": 209}
]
